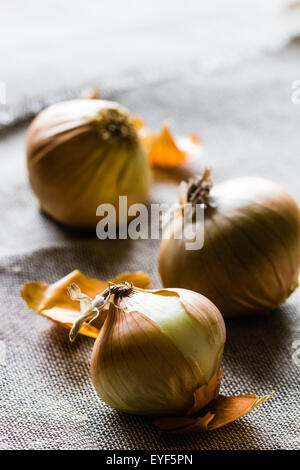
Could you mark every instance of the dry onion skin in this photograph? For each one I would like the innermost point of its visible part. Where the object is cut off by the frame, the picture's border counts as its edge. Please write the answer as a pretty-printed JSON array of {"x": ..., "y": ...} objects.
[
  {"x": 166, "y": 151},
  {"x": 53, "y": 302},
  {"x": 251, "y": 255},
  {"x": 82, "y": 153},
  {"x": 157, "y": 353}
]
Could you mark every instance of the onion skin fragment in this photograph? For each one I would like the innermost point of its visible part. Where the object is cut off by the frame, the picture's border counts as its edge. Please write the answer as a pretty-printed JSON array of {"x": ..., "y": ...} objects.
[
  {"x": 52, "y": 301},
  {"x": 165, "y": 151},
  {"x": 251, "y": 255},
  {"x": 223, "y": 410}
]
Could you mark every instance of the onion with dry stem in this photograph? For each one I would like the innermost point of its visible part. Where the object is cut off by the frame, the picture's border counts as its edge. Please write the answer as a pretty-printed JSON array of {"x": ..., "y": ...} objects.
[
  {"x": 158, "y": 352},
  {"x": 83, "y": 153},
  {"x": 251, "y": 255},
  {"x": 156, "y": 349}
]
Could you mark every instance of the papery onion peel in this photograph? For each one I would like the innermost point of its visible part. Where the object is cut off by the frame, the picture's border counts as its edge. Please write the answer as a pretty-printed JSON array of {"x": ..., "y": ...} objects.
[
  {"x": 53, "y": 302},
  {"x": 164, "y": 150}
]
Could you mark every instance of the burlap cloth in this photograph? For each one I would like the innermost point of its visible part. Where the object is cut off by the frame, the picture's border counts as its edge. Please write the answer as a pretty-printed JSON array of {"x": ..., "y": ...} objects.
[{"x": 249, "y": 127}]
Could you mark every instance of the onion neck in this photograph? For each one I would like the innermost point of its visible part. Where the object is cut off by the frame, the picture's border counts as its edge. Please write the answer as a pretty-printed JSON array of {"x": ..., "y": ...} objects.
[
  {"x": 90, "y": 309},
  {"x": 198, "y": 189},
  {"x": 115, "y": 125},
  {"x": 120, "y": 290}
]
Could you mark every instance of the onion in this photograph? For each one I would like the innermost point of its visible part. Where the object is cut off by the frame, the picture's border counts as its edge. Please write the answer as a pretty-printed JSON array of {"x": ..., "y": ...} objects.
[
  {"x": 82, "y": 153},
  {"x": 251, "y": 255},
  {"x": 155, "y": 350},
  {"x": 158, "y": 352}
]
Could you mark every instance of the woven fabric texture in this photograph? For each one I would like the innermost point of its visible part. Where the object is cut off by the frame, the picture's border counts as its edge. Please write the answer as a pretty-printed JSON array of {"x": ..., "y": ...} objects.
[{"x": 47, "y": 400}]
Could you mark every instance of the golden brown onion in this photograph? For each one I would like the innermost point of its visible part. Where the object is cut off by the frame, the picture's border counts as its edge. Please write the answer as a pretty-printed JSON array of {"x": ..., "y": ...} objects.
[
  {"x": 82, "y": 153},
  {"x": 156, "y": 349},
  {"x": 158, "y": 352},
  {"x": 251, "y": 255}
]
